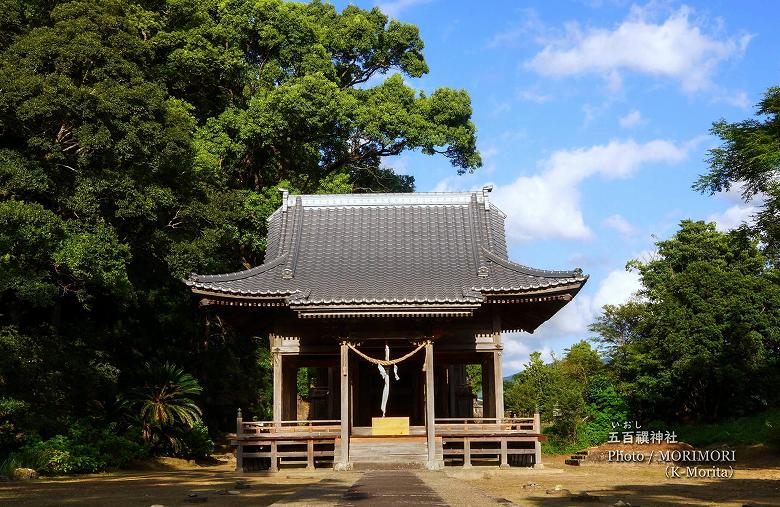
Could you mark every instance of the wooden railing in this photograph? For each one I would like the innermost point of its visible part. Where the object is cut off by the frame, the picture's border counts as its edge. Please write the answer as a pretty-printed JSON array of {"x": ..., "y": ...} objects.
[
  {"x": 476, "y": 424},
  {"x": 265, "y": 428},
  {"x": 264, "y": 444},
  {"x": 509, "y": 440}
]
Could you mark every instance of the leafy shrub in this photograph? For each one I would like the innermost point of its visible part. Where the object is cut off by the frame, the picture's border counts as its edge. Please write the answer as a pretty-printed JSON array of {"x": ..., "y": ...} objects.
[
  {"x": 11, "y": 411},
  {"x": 187, "y": 442},
  {"x": 61, "y": 455},
  {"x": 164, "y": 406},
  {"x": 84, "y": 449},
  {"x": 762, "y": 427},
  {"x": 773, "y": 434},
  {"x": 8, "y": 465},
  {"x": 196, "y": 442},
  {"x": 605, "y": 406}
]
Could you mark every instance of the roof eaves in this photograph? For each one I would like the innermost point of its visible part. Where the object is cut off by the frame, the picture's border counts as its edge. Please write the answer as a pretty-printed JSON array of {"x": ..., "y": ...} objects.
[
  {"x": 555, "y": 287},
  {"x": 237, "y": 275},
  {"x": 210, "y": 290},
  {"x": 575, "y": 274}
]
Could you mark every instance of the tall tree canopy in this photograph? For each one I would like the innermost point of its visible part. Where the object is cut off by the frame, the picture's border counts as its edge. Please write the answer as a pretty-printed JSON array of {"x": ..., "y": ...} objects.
[
  {"x": 702, "y": 338},
  {"x": 141, "y": 140},
  {"x": 750, "y": 158}
]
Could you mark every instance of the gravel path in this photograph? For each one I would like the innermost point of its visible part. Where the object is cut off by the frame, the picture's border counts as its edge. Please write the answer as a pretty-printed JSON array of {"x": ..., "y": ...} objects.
[{"x": 389, "y": 488}]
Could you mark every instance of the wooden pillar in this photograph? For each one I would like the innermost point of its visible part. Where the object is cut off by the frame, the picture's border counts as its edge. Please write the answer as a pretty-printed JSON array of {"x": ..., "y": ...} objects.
[
  {"x": 274, "y": 457},
  {"x": 466, "y": 452},
  {"x": 310, "y": 454},
  {"x": 345, "y": 401},
  {"x": 289, "y": 388},
  {"x": 330, "y": 414},
  {"x": 488, "y": 393},
  {"x": 504, "y": 460},
  {"x": 278, "y": 382},
  {"x": 537, "y": 442},
  {"x": 498, "y": 385},
  {"x": 430, "y": 416},
  {"x": 451, "y": 385},
  {"x": 239, "y": 448}
]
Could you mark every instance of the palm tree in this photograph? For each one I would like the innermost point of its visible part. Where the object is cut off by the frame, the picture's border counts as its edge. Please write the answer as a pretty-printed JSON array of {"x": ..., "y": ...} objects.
[{"x": 164, "y": 402}]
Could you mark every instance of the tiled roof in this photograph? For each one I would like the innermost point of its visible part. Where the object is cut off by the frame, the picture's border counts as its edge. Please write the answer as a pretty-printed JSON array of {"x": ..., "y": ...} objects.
[{"x": 386, "y": 249}]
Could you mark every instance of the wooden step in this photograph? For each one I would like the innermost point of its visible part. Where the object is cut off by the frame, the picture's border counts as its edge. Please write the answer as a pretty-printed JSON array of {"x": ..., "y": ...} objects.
[
  {"x": 394, "y": 453},
  {"x": 389, "y": 466}
]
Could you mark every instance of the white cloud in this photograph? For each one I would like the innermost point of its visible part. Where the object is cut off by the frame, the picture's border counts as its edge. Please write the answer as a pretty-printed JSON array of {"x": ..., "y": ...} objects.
[
  {"x": 620, "y": 224},
  {"x": 616, "y": 288},
  {"x": 399, "y": 165},
  {"x": 631, "y": 119},
  {"x": 500, "y": 108},
  {"x": 676, "y": 48},
  {"x": 733, "y": 217},
  {"x": 646, "y": 256},
  {"x": 546, "y": 209},
  {"x": 445, "y": 185},
  {"x": 514, "y": 135},
  {"x": 592, "y": 112},
  {"x": 734, "y": 193},
  {"x": 741, "y": 100},
  {"x": 534, "y": 96},
  {"x": 550, "y": 203},
  {"x": 529, "y": 27},
  {"x": 740, "y": 211},
  {"x": 571, "y": 323},
  {"x": 614, "y": 81},
  {"x": 394, "y": 8},
  {"x": 488, "y": 152},
  {"x": 738, "y": 99}
]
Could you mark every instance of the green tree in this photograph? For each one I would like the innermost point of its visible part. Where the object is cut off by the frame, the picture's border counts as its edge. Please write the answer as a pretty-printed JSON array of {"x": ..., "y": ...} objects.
[
  {"x": 142, "y": 140},
  {"x": 750, "y": 157},
  {"x": 576, "y": 397},
  {"x": 701, "y": 339},
  {"x": 554, "y": 390},
  {"x": 164, "y": 403}
]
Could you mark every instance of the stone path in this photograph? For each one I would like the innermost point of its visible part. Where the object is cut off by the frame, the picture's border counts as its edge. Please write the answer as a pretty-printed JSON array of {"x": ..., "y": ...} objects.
[
  {"x": 390, "y": 488},
  {"x": 387, "y": 488}
]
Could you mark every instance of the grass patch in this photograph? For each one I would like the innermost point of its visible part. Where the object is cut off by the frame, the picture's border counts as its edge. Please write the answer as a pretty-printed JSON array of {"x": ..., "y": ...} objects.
[
  {"x": 762, "y": 428},
  {"x": 8, "y": 465}
]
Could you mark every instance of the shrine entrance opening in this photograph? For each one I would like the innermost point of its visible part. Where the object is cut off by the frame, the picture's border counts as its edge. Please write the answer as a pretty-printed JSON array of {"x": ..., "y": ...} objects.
[{"x": 406, "y": 395}]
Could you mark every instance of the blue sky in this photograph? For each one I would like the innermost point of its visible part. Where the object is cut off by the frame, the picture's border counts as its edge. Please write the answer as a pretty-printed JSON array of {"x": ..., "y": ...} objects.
[{"x": 593, "y": 120}]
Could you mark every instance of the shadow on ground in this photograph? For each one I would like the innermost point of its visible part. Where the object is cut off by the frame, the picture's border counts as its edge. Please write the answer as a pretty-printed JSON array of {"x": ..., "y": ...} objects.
[
  {"x": 735, "y": 491},
  {"x": 144, "y": 489}
]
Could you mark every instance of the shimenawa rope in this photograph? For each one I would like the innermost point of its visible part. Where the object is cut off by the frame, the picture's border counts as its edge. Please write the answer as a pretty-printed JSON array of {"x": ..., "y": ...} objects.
[{"x": 383, "y": 362}]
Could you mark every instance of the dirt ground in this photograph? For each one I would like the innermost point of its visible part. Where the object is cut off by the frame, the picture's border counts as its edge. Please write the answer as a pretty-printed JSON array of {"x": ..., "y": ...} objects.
[{"x": 756, "y": 482}]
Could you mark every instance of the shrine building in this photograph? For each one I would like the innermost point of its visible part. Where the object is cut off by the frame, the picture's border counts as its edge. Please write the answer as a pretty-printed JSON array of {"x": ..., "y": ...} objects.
[{"x": 349, "y": 278}]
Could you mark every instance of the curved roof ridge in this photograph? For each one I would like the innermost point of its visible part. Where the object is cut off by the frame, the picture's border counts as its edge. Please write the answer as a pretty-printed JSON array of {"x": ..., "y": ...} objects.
[
  {"x": 575, "y": 273},
  {"x": 382, "y": 199},
  {"x": 238, "y": 275}
]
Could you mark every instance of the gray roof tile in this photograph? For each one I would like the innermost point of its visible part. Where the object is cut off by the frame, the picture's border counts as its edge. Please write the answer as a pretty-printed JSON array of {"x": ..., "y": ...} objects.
[{"x": 419, "y": 248}]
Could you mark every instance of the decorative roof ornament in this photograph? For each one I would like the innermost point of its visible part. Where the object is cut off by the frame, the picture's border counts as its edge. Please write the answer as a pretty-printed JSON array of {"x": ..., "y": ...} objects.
[{"x": 485, "y": 191}]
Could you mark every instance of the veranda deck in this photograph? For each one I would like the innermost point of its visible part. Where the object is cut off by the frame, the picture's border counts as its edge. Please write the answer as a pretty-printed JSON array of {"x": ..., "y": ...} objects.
[{"x": 269, "y": 444}]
